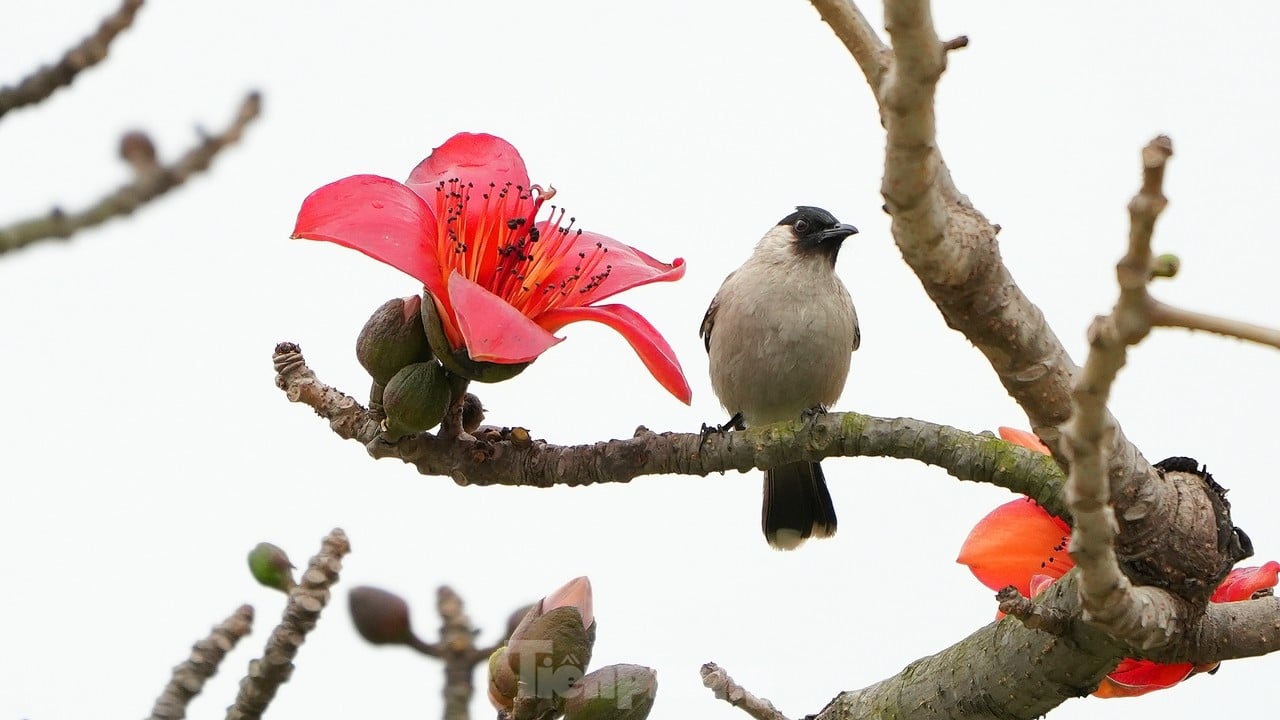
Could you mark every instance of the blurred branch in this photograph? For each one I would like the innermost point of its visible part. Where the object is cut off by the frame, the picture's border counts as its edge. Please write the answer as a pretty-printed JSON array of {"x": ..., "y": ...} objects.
[
  {"x": 89, "y": 52},
  {"x": 189, "y": 677},
  {"x": 151, "y": 181},
  {"x": 459, "y": 653},
  {"x": 1145, "y": 616},
  {"x": 306, "y": 600},
  {"x": 509, "y": 456},
  {"x": 718, "y": 681}
]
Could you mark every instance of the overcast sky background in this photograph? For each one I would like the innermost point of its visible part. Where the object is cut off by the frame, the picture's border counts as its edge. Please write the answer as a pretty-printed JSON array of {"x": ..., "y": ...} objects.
[{"x": 144, "y": 447}]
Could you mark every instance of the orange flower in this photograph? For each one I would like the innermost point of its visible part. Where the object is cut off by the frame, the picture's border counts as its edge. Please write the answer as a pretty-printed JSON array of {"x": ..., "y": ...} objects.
[{"x": 1021, "y": 544}]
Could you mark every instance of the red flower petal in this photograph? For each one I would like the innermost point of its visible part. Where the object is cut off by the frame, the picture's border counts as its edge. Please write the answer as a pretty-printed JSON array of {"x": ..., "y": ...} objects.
[
  {"x": 1015, "y": 542},
  {"x": 476, "y": 158},
  {"x": 645, "y": 339},
  {"x": 492, "y": 329},
  {"x": 1242, "y": 583},
  {"x": 1132, "y": 678},
  {"x": 1023, "y": 438},
  {"x": 620, "y": 266},
  {"x": 379, "y": 217}
]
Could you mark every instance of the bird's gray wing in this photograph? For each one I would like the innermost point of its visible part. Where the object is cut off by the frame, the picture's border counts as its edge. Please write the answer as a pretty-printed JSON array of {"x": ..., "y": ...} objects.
[
  {"x": 857, "y": 331},
  {"x": 709, "y": 320}
]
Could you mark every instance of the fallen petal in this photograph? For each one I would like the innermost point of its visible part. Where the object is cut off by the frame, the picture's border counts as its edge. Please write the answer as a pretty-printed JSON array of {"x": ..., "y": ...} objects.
[
  {"x": 1242, "y": 583},
  {"x": 1015, "y": 542}
]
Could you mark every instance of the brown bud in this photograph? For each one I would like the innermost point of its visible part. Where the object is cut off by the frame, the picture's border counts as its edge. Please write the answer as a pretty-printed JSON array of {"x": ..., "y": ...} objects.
[
  {"x": 381, "y": 617},
  {"x": 392, "y": 339}
]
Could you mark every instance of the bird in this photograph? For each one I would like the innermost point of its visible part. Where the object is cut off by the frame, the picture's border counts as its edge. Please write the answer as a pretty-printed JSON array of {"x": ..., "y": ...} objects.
[{"x": 780, "y": 334}]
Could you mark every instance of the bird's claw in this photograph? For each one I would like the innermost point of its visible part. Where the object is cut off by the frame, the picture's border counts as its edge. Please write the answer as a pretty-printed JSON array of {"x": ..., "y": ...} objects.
[
  {"x": 733, "y": 423},
  {"x": 813, "y": 413}
]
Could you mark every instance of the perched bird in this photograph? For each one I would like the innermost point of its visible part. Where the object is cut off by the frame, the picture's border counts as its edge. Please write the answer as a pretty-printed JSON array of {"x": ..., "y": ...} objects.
[{"x": 779, "y": 335}]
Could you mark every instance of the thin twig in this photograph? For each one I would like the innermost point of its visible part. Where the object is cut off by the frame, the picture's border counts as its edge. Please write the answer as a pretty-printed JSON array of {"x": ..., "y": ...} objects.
[
  {"x": 1032, "y": 614},
  {"x": 1163, "y": 315},
  {"x": 511, "y": 457},
  {"x": 189, "y": 677},
  {"x": 307, "y": 599},
  {"x": 1142, "y": 616},
  {"x": 145, "y": 187},
  {"x": 88, "y": 52},
  {"x": 719, "y": 682}
]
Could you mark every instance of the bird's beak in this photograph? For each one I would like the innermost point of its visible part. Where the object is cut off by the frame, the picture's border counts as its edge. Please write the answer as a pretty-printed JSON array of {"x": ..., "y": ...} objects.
[{"x": 839, "y": 232}]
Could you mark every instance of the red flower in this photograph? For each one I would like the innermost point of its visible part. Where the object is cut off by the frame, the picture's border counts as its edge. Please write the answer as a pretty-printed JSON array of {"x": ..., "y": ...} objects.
[
  {"x": 1021, "y": 544},
  {"x": 465, "y": 224}
]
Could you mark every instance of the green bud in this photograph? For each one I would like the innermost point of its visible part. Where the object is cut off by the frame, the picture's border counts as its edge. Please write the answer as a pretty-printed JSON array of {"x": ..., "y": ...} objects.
[
  {"x": 551, "y": 652},
  {"x": 616, "y": 692},
  {"x": 375, "y": 396},
  {"x": 392, "y": 338},
  {"x": 416, "y": 399},
  {"x": 271, "y": 567},
  {"x": 381, "y": 617},
  {"x": 503, "y": 683},
  {"x": 459, "y": 362}
]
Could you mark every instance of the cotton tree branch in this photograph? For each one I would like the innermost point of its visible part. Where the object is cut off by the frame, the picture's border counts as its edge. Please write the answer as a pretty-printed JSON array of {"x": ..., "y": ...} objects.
[
  {"x": 189, "y": 677},
  {"x": 512, "y": 457},
  {"x": 150, "y": 182},
  {"x": 306, "y": 600},
  {"x": 1168, "y": 316},
  {"x": 88, "y": 52},
  {"x": 459, "y": 653},
  {"x": 1228, "y": 631},
  {"x": 1142, "y": 616},
  {"x": 718, "y": 681},
  {"x": 947, "y": 242}
]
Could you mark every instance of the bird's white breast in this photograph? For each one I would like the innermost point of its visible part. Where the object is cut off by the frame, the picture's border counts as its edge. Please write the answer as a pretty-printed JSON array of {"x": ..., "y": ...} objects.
[{"x": 784, "y": 331}]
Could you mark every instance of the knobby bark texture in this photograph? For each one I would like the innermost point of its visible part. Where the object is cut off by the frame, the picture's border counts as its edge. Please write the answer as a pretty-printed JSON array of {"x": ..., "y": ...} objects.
[
  {"x": 189, "y": 677},
  {"x": 511, "y": 456},
  {"x": 306, "y": 600}
]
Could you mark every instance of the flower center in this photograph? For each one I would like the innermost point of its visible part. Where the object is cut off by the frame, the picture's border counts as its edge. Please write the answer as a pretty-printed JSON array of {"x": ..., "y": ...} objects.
[{"x": 494, "y": 239}]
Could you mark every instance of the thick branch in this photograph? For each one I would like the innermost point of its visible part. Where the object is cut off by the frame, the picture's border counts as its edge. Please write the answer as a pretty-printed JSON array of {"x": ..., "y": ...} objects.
[
  {"x": 89, "y": 52},
  {"x": 189, "y": 677},
  {"x": 512, "y": 457},
  {"x": 306, "y": 600},
  {"x": 148, "y": 184},
  {"x": 1229, "y": 630}
]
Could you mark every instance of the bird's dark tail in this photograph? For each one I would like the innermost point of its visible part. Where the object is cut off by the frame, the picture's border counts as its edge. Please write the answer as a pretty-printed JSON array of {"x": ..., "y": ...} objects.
[{"x": 797, "y": 505}]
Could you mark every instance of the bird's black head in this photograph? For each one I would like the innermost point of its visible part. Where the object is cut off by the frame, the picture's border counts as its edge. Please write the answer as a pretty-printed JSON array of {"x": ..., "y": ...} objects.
[{"x": 817, "y": 231}]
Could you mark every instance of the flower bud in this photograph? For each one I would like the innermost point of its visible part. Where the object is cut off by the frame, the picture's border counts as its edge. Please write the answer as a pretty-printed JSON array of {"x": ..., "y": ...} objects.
[
  {"x": 271, "y": 567},
  {"x": 459, "y": 362},
  {"x": 381, "y": 617},
  {"x": 416, "y": 398},
  {"x": 551, "y": 647},
  {"x": 616, "y": 692},
  {"x": 392, "y": 338},
  {"x": 503, "y": 683}
]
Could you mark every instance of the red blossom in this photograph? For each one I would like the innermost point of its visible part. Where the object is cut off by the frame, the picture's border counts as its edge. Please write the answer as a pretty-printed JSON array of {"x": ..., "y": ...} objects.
[
  {"x": 503, "y": 281},
  {"x": 1021, "y": 544}
]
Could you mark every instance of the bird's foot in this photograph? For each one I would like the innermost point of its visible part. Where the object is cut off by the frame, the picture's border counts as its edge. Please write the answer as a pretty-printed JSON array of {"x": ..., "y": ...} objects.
[
  {"x": 813, "y": 413},
  {"x": 734, "y": 423}
]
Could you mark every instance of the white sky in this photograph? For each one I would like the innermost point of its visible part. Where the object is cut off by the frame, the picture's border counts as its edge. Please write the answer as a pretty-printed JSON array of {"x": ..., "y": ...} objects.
[{"x": 144, "y": 447}]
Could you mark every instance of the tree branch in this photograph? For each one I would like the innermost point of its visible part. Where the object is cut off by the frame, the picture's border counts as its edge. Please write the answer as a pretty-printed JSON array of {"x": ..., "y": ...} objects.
[
  {"x": 306, "y": 600},
  {"x": 152, "y": 181},
  {"x": 1145, "y": 617},
  {"x": 189, "y": 677},
  {"x": 88, "y": 52},
  {"x": 718, "y": 681},
  {"x": 512, "y": 457},
  {"x": 862, "y": 41},
  {"x": 459, "y": 653}
]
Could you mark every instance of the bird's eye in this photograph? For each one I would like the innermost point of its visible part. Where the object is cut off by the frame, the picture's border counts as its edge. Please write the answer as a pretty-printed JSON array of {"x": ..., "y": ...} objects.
[{"x": 802, "y": 227}]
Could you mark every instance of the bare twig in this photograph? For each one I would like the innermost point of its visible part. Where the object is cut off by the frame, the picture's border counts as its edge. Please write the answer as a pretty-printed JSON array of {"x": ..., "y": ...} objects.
[
  {"x": 189, "y": 677},
  {"x": 851, "y": 26},
  {"x": 1032, "y": 614},
  {"x": 88, "y": 52},
  {"x": 459, "y": 653},
  {"x": 145, "y": 187},
  {"x": 719, "y": 682},
  {"x": 512, "y": 457},
  {"x": 1144, "y": 616},
  {"x": 306, "y": 601},
  {"x": 1168, "y": 316}
]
